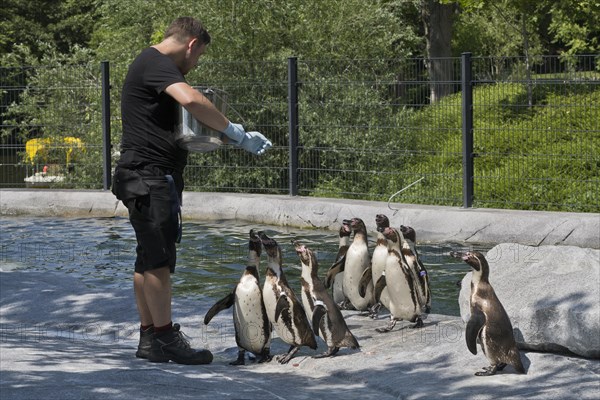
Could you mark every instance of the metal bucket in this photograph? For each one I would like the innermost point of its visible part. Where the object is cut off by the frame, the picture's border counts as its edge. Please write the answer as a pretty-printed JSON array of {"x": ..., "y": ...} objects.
[{"x": 191, "y": 134}]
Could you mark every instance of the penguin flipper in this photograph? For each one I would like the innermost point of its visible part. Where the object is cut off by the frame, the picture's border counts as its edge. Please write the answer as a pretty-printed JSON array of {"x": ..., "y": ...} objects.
[
  {"x": 335, "y": 269},
  {"x": 219, "y": 306},
  {"x": 282, "y": 305},
  {"x": 379, "y": 286},
  {"x": 365, "y": 279},
  {"x": 474, "y": 325}
]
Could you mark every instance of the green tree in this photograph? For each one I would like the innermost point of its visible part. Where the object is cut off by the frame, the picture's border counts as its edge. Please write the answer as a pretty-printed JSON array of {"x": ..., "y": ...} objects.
[
  {"x": 260, "y": 29},
  {"x": 565, "y": 27},
  {"x": 575, "y": 26},
  {"x": 32, "y": 23}
]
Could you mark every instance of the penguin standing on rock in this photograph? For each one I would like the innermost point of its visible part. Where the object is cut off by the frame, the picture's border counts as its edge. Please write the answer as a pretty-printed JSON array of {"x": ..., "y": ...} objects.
[
  {"x": 327, "y": 319},
  {"x": 335, "y": 275},
  {"x": 283, "y": 307},
  {"x": 252, "y": 327},
  {"x": 378, "y": 261},
  {"x": 357, "y": 261},
  {"x": 416, "y": 265},
  {"x": 489, "y": 324},
  {"x": 400, "y": 283}
]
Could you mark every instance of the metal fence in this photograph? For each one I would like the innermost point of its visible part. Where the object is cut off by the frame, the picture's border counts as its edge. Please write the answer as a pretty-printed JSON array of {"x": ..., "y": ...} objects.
[{"x": 489, "y": 132}]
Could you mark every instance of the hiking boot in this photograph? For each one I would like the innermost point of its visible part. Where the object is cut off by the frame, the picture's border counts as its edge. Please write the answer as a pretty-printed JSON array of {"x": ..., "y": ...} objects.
[
  {"x": 146, "y": 336},
  {"x": 172, "y": 346}
]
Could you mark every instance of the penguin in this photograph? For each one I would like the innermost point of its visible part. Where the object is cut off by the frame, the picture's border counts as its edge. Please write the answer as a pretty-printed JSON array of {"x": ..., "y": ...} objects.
[
  {"x": 252, "y": 326},
  {"x": 489, "y": 324},
  {"x": 400, "y": 284},
  {"x": 327, "y": 319},
  {"x": 378, "y": 260},
  {"x": 283, "y": 307},
  {"x": 357, "y": 261},
  {"x": 414, "y": 262},
  {"x": 335, "y": 274}
]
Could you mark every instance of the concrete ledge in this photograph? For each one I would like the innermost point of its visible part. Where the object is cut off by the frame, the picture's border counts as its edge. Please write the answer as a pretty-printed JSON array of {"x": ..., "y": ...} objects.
[{"x": 432, "y": 223}]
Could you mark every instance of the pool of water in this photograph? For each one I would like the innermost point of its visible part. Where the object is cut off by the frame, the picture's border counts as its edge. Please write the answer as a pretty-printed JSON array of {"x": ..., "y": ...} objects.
[{"x": 211, "y": 255}]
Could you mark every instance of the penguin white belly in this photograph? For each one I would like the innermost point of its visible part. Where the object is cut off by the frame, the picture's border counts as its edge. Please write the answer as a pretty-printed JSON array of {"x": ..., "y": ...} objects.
[
  {"x": 357, "y": 260},
  {"x": 338, "y": 288},
  {"x": 248, "y": 318},
  {"x": 400, "y": 291},
  {"x": 378, "y": 267}
]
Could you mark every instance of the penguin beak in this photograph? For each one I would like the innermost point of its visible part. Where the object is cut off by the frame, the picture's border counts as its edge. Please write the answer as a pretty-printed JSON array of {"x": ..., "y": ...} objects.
[
  {"x": 300, "y": 248},
  {"x": 466, "y": 257},
  {"x": 456, "y": 254},
  {"x": 461, "y": 255}
]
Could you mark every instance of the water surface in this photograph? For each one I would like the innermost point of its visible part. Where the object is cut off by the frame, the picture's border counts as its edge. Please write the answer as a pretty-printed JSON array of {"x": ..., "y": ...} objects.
[{"x": 211, "y": 255}]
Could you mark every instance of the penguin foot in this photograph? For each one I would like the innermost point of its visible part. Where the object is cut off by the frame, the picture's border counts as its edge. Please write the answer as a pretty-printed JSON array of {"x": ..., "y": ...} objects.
[
  {"x": 374, "y": 310},
  {"x": 388, "y": 328},
  {"x": 488, "y": 371},
  {"x": 330, "y": 352},
  {"x": 265, "y": 358},
  {"x": 346, "y": 305},
  {"x": 419, "y": 324},
  {"x": 241, "y": 359},
  {"x": 285, "y": 358}
]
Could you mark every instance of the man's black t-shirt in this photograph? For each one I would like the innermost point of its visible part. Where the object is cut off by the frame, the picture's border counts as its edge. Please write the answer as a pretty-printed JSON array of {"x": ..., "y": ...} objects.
[{"x": 149, "y": 114}]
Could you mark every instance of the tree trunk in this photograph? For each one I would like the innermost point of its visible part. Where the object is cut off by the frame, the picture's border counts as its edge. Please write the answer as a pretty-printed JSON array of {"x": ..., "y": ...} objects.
[{"x": 438, "y": 19}]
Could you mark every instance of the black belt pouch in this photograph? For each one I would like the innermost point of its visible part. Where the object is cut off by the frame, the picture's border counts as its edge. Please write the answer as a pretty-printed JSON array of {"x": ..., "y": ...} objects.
[{"x": 128, "y": 184}]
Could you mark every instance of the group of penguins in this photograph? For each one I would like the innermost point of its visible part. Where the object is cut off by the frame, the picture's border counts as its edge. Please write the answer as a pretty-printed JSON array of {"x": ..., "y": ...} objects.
[{"x": 392, "y": 277}]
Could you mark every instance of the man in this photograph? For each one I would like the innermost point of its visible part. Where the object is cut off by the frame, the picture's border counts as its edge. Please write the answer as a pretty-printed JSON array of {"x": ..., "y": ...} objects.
[{"x": 148, "y": 177}]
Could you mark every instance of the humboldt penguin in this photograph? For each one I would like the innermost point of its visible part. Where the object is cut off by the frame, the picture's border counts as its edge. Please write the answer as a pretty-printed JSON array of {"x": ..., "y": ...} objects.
[
  {"x": 335, "y": 275},
  {"x": 283, "y": 307},
  {"x": 400, "y": 284},
  {"x": 414, "y": 262},
  {"x": 252, "y": 327},
  {"x": 327, "y": 319},
  {"x": 489, "y": 324},
  {"x": 357, "y": 261},
  {"x": 378, "y": 261}
]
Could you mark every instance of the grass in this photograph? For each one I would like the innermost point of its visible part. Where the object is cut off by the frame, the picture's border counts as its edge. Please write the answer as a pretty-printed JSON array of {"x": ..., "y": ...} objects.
[{"x": 544, "y": 156}]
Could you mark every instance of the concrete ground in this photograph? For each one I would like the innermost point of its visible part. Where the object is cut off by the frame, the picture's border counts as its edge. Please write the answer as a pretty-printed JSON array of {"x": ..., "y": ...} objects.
[{"x": 61, "y": 339}]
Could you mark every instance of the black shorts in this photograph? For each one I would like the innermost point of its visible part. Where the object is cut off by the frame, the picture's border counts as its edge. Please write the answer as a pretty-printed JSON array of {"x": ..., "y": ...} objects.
[{"x": 156, "y": 224}]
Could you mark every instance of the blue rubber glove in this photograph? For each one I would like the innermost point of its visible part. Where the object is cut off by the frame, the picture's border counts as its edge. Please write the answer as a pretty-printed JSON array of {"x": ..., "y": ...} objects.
[
  {"x": 235, "y": 132},
  {"x": 255, "y": 143}
]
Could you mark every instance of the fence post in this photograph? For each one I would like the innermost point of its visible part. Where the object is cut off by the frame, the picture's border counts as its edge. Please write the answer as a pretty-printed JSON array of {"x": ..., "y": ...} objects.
[
  {"x": 293, "y": 123},
  {"x": 106, "y": 144},
  {"x": 467, "y": 129}
]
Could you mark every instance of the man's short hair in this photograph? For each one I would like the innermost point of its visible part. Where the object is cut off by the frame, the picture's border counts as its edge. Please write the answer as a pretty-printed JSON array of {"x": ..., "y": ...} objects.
[{"x": 183, "y": 28}]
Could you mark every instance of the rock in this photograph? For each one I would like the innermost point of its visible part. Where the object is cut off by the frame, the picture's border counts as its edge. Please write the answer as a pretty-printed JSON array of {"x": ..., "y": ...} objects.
[{"x": 551, "y": 294}]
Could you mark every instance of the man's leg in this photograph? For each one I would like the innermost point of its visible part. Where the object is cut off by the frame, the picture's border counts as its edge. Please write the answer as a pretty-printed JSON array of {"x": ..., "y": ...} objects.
[
  {"x": 140, "y": 300},
  {"x": 157, "y": 297},
  {"x": 146, "y": 322}
]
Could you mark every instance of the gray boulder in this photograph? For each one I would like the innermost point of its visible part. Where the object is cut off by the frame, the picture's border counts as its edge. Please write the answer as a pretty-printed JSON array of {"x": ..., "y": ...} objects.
[{"x": 551, "y": 294}]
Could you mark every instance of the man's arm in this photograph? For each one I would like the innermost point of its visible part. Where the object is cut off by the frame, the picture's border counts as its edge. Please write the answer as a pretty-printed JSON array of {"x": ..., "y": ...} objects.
[{"x": 198, "y": 105}]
